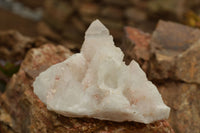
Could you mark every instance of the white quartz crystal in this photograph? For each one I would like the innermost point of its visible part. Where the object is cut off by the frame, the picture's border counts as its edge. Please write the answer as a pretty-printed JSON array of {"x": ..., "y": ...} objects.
[{"x": 96, "y": 83}]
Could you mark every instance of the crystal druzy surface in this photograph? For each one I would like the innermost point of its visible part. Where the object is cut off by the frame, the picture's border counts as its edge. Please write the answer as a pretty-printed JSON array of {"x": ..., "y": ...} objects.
[{"x": 97, "y": 83}]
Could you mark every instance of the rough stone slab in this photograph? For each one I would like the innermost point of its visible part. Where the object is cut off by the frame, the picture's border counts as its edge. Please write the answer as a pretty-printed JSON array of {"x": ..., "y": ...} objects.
[
  {"x": 5, "y": 121},
  {"x": 29, "y": 114},
  {"x": 13, "y": 45},
  {"x": 188, "y": 64},
  {"x": 168, "y": 41},
  {"x": 34, "y": 61},
  {"x": 184, "y": 101}
]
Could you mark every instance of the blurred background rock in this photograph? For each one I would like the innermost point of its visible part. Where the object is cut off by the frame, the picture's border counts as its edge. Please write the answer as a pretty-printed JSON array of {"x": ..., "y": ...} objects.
[
  {"x": 26, "y": 24},
  {"x": 66, "y": 20}
]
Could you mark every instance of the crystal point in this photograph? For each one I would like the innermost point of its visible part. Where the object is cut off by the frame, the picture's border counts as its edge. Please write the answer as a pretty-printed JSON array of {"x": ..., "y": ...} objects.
[{"x": 97, "y": 28}]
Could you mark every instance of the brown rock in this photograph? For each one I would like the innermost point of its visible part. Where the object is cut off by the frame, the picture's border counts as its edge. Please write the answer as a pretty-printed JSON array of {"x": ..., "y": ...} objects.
[
  {"x": 5, "y": 122},
  {"x": 13, "y": 45},
  {"x": 74, "y": 47},
  {"x": 5, "y": 129},
  {"x": 183, "y": 99},
  {"x": 89, "y": 9},
  {"x": 46, "y": 31},
  {"x": 176, "y": 8},
  {"x": 29, "y": 114},
  {"x": 188, "y": 64},
  {"x": 117, "y": 34},
  {"x": 70, "y": 32},
  {"x": 112, "y": 12},
  {"x": 168, "y": 41},
  {"x": 121, "y": 3},
  {"x": 57, "y": 12},
  {"x": 15, "y": 22},
  {"x": 135, "y": 14},
  {"x": 33, "y": 3},
  {"x": 88, "y": 19},
  {"x": 79, "y": 24},
  {"x": 136, "y": 46},
  {"x": 112, "y": 24},
  {"x": 33, "y": 64}
]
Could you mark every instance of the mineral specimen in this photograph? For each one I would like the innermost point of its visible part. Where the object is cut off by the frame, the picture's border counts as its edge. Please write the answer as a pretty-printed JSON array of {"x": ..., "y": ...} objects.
[{"x": 97, "y": 83}]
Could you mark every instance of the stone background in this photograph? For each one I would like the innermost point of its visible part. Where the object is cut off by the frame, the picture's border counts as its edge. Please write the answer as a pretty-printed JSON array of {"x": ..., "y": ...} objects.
[
  {"x": 68, "y": 19},
  {"x": 167, "y": 51}
]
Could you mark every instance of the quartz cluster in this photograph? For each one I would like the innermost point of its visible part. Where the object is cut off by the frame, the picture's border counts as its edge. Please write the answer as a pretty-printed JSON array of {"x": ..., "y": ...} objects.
[{"x": 97, "y": 83}]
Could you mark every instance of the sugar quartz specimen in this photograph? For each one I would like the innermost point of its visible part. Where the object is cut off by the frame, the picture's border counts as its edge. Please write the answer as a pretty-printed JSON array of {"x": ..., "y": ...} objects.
[{"x": 97, "y": 83}]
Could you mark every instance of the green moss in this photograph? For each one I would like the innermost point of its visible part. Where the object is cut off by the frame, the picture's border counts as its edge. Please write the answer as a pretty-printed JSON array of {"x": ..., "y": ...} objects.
[{"x": 9, "y": 68}]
